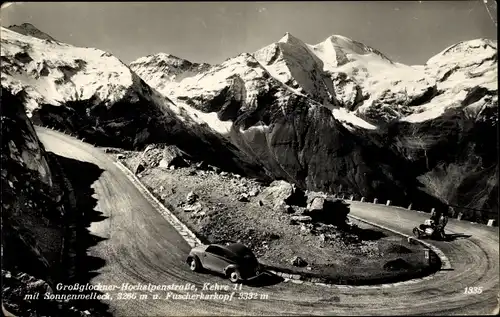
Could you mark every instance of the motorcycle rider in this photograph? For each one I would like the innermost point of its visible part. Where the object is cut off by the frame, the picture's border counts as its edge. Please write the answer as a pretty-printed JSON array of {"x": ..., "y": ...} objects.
[
  {"x": 431, "y": 223},
  {"x": 434, "y": 215},
  {"x": 443, "y": 220}
]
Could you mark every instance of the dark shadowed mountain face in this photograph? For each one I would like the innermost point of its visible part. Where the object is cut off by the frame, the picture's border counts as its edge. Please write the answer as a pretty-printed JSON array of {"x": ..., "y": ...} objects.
[
  {"x": 335, "y": 116},
  {"x": 32, "y": 211}
]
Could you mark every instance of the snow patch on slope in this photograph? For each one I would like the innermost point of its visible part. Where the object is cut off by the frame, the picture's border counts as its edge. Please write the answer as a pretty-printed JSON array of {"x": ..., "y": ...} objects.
[
  {"x": 348, "y": 118},
  {"x": 183, "y": 111},
  {"x": 435, "y": 109}
]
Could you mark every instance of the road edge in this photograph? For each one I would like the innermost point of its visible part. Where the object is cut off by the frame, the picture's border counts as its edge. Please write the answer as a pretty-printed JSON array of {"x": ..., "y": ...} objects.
[
  {"x": 189, "y": 236},
  {"x": 446, "y": 264}
]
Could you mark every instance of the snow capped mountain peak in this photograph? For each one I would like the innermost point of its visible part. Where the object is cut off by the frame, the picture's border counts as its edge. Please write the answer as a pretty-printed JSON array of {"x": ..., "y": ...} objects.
[
  {"x": 473, "y": 49},
  {"x": 30, "y": 30},
  {"x": 292, "y": 62},
  {"x": 163, "y": 59},
  {"x": 337, "y": 50},
  {"x": 290, "y": 39},
  {"x": 164, "y": 71},
  {"x": 55, "y": 73},
  {"x": 338, "y": 71}
]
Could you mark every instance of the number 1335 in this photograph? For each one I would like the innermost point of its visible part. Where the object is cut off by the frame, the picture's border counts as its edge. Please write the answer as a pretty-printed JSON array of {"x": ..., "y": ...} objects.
[{"x": 473, "y": 290}]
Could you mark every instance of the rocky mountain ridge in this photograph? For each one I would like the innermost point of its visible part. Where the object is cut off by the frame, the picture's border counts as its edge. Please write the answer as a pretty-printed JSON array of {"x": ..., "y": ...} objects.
[
  {"x": 331, "y": 116},
  {"x": 359, "y": 83}
]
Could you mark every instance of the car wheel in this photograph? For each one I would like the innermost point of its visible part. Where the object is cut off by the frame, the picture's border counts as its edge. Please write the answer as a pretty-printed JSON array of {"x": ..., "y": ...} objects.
[
  {"x": 194, "y": 264},
  {"x": 416, "y": 232},
  {"x": 233, "y": 275}
]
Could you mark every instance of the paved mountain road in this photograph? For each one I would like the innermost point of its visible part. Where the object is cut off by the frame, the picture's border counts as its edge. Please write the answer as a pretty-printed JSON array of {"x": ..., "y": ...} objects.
[{"x": 141, "y": 247}]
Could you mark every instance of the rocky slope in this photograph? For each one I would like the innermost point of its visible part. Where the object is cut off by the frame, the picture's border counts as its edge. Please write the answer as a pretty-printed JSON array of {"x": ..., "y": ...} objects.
[
  {"x": 284, "y": 226},
  {"x": 34, "y": 211}
]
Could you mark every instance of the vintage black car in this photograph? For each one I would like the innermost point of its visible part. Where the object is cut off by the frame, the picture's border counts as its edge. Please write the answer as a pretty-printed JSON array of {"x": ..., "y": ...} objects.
[{"x": 234, "y": 260}]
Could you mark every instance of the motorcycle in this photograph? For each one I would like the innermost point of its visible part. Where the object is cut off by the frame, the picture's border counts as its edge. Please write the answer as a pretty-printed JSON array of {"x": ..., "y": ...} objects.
[{"x": 427, "y": 230}]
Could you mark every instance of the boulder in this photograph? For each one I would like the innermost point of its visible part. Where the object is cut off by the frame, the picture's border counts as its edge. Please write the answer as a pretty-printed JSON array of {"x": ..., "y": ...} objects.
[
  {"x": 173, "y": 156},
  {"x": 215, "y": 169},
  {"x": 322, "y": 237},
  {"x": 253, "y": 192},
  {"x": 202, "y": 166},
  {"x": 193, "y": 207},
  {"x": 151, "y": 155},
  {"x": 289, "y": 209},
  {"x": 328, "y": 210},
  {"x": 298, "y": 261},
  {"x": 138, "y": 168},
  {"x": 111, "y": 150},
  {"x": 243, "y": 197},
  {"x": 281, "y": 193},
  {"x": 302, "y": 219},
  {"x": 317, "y": 203},
  {"x": 191, "y": 198}
]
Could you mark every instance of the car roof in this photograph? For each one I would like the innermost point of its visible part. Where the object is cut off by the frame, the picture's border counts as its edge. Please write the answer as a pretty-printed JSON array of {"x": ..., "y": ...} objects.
[{"x": 237, "y": 248}]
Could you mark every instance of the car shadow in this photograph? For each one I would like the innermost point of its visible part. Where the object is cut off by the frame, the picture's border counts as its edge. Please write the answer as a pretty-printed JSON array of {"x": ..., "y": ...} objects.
[
  {"x": 456, "y": 236},
  {"x": 264, "y": 279},
  {"x": 81, "y": 266}
]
